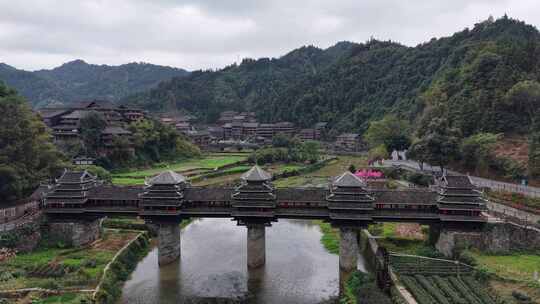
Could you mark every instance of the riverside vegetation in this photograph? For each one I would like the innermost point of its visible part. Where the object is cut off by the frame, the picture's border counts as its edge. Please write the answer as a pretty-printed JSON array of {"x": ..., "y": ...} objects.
[{"x": 74, "y": 272}]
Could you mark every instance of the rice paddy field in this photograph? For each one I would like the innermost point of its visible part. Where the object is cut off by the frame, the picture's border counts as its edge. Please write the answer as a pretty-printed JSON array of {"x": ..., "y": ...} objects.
[{"x": 190, "y": 168}]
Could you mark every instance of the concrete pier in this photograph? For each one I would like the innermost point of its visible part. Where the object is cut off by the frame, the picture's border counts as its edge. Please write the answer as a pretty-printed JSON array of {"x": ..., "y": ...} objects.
[
  {"x": 168, "y": 243},
  {"x": 348, "y": 249},
  {"x": 75, "y": 233},
  {"x": 256, "y": 245}
]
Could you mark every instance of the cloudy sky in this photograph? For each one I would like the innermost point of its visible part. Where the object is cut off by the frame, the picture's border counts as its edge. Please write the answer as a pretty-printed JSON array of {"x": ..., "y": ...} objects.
[{"x": 191, "y": 34}]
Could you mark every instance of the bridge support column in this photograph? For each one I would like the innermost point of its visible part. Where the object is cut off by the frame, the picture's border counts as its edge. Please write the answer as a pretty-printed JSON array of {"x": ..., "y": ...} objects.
[
  {"x": 256, "y": 245},
  {"x": 348, "y": 248},
  {"x": 74, "y": 233},
  {"x": 168, "y": 242}
]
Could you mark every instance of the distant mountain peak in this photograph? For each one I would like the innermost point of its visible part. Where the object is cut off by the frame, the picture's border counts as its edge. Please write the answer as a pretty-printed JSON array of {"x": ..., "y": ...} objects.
[
  {"x": 76, "y": 62},
  {"x": 6, "y": 66}
]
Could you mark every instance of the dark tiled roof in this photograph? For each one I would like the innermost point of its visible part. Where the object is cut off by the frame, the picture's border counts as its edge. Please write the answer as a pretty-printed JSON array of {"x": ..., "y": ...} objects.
[
  {"x": 256, "y": 174},
  {"x": 422, "y": 197},
  {"x": 76, "y": 177},
  {"x": 106, "y": 192},
  {"x": 301, "y": 194},
  {"x": 348, "y": 179},
  {"x": 115, "y": 130},
  {"x": 40, "y": 192},
  {"x": 207, "y": 194},
  {"x": 82, "y": 104},
  {"x": 50, "y": 113},
  {"x": 64, "y": 127},
  {"x": 77, "y": 114},
  {"x": 458, "y": 181},
  {"x": 167, "y": 178}
]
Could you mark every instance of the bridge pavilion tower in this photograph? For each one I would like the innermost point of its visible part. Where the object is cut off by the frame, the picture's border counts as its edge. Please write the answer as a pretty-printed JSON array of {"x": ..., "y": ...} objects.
[
  {"x": 460, "y": 206},
  {"x": 350, "y": 207},
  {"x": 65, "y": 208},
  {"x": 253, "y": 205},
  {"x": 161, "y": 204}
]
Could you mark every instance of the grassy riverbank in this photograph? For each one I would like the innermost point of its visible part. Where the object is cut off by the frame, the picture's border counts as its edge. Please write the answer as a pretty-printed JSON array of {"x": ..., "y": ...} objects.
[
  {"x": 63, "y": 269},
  {"x": 330, "y": 236},
  {"x": 361, "y": 288}
]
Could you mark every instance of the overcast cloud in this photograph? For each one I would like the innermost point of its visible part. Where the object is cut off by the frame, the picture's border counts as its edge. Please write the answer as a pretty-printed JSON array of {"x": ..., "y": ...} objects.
[{"x": 36, "y": 34}]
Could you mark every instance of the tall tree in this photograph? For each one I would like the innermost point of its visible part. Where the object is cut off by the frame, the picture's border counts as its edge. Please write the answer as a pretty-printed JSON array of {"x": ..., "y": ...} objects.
[
  {"x": 27, "y": 155},
  {"x": 441, "y": 142},
  {"x": 524, "y": 97},
  {"x": 534, "y": 149},
  {"x": 390, "y": 131},
  {"x": 91, "y": 126}
]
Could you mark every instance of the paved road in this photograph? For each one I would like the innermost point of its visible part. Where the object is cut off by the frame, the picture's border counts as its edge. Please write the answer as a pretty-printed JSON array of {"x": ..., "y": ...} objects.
[{"x": 477, "y": 181}]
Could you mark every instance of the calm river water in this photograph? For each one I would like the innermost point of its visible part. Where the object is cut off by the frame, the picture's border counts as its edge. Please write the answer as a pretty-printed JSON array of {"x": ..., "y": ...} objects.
[{"x": 213, "y": 269}]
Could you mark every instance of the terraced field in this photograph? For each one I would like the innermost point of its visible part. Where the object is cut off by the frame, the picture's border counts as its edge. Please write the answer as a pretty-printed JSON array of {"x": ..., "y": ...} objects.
[
  {"x": 433, "y": 281},
  {"x": 435, "y": 289},
  {"x": 190, "y": 168}
]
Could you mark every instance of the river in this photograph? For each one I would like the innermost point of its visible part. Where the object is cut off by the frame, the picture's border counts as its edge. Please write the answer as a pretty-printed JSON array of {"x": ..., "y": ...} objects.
[{"x": 213, "y": 269}]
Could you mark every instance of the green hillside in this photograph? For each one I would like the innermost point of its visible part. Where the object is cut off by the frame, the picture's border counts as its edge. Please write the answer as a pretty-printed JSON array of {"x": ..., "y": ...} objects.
[
  {"x": 349, "y": 85},
  {"x": 78, "y": 80}
]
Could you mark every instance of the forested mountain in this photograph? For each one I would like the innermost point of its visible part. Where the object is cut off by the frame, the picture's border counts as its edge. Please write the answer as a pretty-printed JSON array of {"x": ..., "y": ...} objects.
[
  {"x": 78, "y": 80},
  {"x": 466, "y": 77}
]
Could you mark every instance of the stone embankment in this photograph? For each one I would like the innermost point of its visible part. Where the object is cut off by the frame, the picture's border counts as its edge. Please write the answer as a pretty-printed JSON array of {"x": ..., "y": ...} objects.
[{"x": 496, "y": 238}]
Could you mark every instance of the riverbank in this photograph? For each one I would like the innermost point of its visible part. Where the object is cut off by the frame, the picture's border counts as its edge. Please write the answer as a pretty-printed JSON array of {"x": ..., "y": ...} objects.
[{"x": 67, "y": 274}]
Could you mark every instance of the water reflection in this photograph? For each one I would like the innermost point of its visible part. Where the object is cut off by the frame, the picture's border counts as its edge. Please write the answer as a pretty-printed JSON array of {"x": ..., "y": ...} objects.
[{"x": 212, "y": 268}]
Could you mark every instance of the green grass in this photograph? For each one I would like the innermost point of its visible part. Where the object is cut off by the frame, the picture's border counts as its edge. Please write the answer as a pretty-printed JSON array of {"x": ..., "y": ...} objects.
[
  {"x": 402, "y": 245},
  {"x": 64, "y": 298},
  {"x": 126, "y": 181},
  {"x": 518, "y": 266},
  {"x": 330, "y": 236},
  {"x": 207, "y": 162},
  {"x": 85, "y": 265}
]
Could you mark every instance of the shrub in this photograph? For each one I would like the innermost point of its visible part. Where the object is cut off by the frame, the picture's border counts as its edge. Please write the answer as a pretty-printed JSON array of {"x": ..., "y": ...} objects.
[
  {"x": 521, "y": 296},
  {"x": 467, "y": 257},
  {"x": 419, "y": 179},
  {"x": 49, "y": 284},
  {"x": 429, "y": 252}
]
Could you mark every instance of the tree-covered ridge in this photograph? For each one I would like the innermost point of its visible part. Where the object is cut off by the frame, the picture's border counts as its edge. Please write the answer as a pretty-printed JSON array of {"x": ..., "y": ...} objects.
[
  {"x": 78, "y": 80},
  {"x": 27, "y": 155},
  {"x": 350, "y": 85}
]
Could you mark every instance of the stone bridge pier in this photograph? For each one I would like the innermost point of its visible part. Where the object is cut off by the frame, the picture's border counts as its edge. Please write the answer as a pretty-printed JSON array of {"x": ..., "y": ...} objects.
[
  {"x": 73, "y": 232},
  {"x": 348, "y": 248},
  {"x": 256, "y": 245},
  {"x": 168, "y": 242}
]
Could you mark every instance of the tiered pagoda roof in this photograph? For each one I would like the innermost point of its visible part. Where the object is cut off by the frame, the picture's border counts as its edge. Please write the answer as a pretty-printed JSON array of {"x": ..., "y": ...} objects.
[
  {"x": 458, "y": 195},
  {"x": 255, "y": 197},
  {"x": 71, "y": 188},
  {"x": 164, "y": 190},
  {"x": 348, "y": 199}
]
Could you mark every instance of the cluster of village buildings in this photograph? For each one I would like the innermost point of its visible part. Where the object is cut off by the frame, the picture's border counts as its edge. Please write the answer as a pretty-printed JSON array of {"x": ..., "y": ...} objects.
[
  {"x": 65, "y": 122},
  {"x": 243, "y": 126},
  {"x": 231, "y": 126}
]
